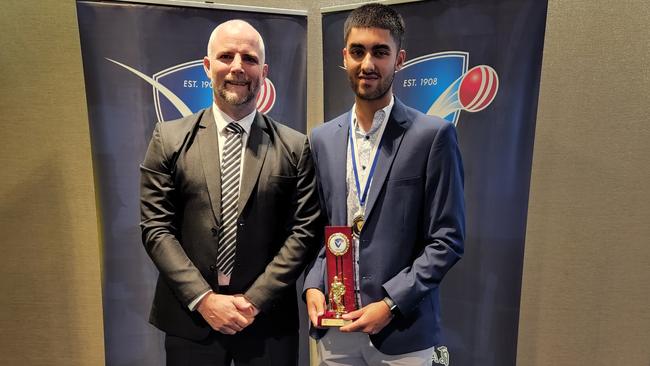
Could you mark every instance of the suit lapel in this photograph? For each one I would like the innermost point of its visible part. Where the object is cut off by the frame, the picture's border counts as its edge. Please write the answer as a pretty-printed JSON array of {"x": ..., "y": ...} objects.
[
  {"x": 254, "y": 154},
  {"x": 390, "y": 142},
  {"x": 339, "y": 171},
  {"x": 209, "y": 146}
]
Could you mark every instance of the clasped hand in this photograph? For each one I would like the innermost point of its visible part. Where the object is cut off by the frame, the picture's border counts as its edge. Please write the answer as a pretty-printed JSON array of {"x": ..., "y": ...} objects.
[{"x": 227, "y": 314}]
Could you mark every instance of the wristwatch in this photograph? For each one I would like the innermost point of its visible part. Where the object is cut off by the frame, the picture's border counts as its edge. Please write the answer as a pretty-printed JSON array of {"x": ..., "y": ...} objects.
[{"x": 391, "y": 305}]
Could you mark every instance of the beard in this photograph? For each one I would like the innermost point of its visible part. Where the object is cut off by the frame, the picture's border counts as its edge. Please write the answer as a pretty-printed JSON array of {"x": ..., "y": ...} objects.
[
  {"x": 234, "y": 98},
  {"x": 371, "y": 94}
]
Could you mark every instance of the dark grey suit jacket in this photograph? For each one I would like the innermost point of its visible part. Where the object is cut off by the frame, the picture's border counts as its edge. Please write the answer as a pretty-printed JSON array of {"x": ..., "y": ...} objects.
[{"x": 278, "y": 222}]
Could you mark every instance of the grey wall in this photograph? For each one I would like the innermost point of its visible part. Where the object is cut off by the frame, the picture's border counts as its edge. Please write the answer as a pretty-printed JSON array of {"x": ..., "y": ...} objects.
[
  {"x": 586, "y": 287},
  {"x": 50, "y": 298}
]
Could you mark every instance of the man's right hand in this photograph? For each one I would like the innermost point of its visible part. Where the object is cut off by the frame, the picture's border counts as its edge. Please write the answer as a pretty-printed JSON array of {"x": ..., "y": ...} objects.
[
  {"x": 222, "y": 314},
  {"x": 315, "y": 304}
]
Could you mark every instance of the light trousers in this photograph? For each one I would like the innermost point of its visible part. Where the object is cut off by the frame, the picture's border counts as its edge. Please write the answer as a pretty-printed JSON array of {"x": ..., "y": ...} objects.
[{"x": 355, "y": 349}]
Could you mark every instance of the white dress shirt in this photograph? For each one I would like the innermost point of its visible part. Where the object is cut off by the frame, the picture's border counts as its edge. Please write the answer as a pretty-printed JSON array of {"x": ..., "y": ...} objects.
[
  {"x": 366, "y": 144},
  {"x": 222, "y": 120}
]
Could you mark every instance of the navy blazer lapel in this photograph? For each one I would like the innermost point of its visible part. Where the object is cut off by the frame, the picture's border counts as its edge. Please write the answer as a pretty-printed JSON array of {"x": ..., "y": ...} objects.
[
  {"x": 339, "y": 170},
  {"x": 254, "y": 154},
  {"x": 209, "y": 146},
  {"x": 390, "y": 142}
]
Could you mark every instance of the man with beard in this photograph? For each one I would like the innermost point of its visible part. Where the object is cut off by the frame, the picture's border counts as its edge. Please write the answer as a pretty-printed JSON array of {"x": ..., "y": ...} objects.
[
  {"x": 395, "y": 175},
  {"x": 229, "y": 217}
]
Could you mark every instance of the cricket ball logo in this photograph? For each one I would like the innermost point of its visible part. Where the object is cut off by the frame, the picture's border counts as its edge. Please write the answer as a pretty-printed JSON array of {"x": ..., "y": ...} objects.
[
  {"x": 184, "y": 89},
  {"x": 440, "y": 84}
]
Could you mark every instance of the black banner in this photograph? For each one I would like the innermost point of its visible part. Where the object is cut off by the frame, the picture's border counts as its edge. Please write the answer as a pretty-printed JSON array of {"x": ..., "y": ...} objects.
[
  {"x": 476, "y": 64},
  {"x": 142, "y": 64}
]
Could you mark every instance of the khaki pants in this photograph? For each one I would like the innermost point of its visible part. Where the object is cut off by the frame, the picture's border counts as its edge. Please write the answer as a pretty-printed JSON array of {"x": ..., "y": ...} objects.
[{"x": 355, "y": 349}]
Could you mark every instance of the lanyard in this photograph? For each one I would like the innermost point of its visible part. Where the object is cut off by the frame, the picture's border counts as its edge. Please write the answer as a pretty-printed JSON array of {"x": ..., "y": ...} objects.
[{"x": 362, "y": 195}]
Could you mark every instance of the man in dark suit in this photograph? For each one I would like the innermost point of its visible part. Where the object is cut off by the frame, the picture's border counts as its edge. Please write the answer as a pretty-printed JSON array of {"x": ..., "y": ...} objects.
[
  {"x": 229, "y": 216},
  {"x": 399, "y": 173}
]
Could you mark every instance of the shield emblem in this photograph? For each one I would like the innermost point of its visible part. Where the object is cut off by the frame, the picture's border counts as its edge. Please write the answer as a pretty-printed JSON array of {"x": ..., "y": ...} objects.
[
  {"x": 439, "y": 84},
  {"x": 183, "y": 89},
  {"x": 186, "y": 81}
]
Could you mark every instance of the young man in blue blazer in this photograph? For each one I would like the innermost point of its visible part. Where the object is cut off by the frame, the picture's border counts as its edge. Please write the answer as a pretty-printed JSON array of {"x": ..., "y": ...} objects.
[{"x": 399, "y": 173}]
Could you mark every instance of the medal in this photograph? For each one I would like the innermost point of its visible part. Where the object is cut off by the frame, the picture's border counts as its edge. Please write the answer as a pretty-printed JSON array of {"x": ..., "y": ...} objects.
[
  {"x": 362, "y": 192},
  {"x": 357, "y": 225}
]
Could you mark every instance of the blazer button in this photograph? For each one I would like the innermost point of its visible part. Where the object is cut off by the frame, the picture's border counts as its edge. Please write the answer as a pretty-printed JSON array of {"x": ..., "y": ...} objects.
[{"x": 214, "y": 232}]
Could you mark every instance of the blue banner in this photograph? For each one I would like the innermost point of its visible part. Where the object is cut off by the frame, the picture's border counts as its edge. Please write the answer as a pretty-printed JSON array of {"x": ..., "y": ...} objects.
[
  {"x": 142, "y": 64},
  {"x": 476, "y": 64}
]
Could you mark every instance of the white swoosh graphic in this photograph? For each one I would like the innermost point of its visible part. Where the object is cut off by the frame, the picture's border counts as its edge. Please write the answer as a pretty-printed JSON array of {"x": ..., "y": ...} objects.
[{"x": 176, "y": 101}]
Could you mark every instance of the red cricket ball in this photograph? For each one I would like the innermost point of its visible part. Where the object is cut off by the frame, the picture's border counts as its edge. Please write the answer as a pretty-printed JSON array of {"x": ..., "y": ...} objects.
[
  {"x": 478, "y": 88},
  {"x": 266, "y": 97}
]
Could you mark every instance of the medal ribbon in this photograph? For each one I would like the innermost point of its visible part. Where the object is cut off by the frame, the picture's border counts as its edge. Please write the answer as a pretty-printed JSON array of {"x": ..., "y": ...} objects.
[{"x": 361, "y": 195}]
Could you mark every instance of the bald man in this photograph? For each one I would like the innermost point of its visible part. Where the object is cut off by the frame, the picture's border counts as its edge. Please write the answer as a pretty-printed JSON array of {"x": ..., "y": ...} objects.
[{"x": 230, "y": 216}]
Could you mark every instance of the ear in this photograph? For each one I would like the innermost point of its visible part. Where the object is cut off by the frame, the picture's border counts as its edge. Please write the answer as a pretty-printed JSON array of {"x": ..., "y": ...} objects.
[
  {"x": 399, "y": 62},
  {"x": 265, "y": 70},
  {"x": 206, "y": 66},
  {"x": 345, "y": 56}
]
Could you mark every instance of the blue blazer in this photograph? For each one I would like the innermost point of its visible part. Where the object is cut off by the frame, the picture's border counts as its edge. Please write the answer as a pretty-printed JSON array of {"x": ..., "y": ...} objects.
[{"x": 415, "y": 220}]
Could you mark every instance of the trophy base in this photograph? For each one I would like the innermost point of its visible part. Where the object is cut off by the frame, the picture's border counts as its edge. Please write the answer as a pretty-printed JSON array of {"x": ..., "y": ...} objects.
[{"x": 329, "y": 319}]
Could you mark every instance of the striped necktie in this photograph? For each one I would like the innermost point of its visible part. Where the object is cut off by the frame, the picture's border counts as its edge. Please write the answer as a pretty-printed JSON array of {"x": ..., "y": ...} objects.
[{"x": 230, "y": 163}]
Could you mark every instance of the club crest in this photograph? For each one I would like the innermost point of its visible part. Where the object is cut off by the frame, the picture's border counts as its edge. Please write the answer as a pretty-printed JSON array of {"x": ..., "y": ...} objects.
[
  {"x": 440, "y": 84},
  {"x": 184, "y": 89},
  {"x": 338, "y": 244}
]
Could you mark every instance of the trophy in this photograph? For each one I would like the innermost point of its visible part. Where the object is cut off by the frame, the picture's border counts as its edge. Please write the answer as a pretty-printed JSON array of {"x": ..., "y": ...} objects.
[{"x": 340, "y": 276}]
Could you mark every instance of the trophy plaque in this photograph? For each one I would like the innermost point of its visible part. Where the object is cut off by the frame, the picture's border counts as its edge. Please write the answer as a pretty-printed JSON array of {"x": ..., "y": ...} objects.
[{"x": 340, "y": 276}]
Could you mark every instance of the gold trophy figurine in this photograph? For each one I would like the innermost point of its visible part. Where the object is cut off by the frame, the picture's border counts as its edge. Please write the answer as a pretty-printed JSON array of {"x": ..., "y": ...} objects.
[{"x": 337, "y": 290}]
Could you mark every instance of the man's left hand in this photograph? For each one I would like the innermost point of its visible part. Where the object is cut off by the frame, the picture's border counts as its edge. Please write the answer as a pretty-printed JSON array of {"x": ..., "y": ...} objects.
[
  {"x": 370, "y": 319},
  {"x": 245, "y": 307}
]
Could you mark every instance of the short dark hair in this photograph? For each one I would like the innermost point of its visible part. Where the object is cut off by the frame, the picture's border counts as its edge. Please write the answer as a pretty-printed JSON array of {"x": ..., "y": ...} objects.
[{"x": 376, "y": 16}]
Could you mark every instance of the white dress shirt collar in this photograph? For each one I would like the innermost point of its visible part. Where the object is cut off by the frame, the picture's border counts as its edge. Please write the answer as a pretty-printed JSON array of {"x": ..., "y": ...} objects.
[
  {"x": 222, "y": 120},
  {"x": 378, "y": 119}
]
